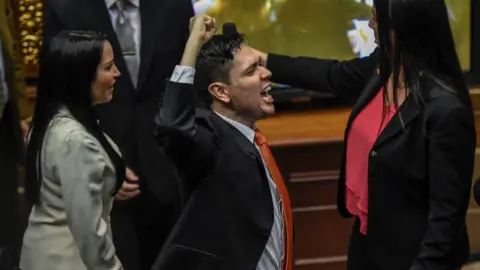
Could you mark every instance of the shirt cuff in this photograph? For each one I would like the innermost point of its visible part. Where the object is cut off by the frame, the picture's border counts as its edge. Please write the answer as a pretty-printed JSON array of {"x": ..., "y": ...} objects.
[{"x": 183, "y": 74}]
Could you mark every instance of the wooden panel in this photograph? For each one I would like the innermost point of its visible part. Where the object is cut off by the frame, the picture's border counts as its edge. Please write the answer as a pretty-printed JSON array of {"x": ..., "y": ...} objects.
[
  {"x": 337, "y": 265},
  {"x": 308, "y": 157},
  {"x": 476, "y": 176},
  {"x": 475, "y": 95},
  {"x": 473, "y": 223},
  {"x": 320, "y": 233},
  {"x": 477, "y": 126},
  {"x": 307, "y": 127},
  {"x": 316, "y": 188}
]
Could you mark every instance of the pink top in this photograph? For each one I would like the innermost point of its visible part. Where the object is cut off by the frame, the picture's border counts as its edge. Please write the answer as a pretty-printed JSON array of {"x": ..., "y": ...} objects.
[{"x": 362, "y": 135}]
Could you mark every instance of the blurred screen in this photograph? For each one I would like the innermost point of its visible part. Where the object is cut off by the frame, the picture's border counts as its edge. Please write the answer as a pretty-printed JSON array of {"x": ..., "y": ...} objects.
[{"x": 334, "y": 29}]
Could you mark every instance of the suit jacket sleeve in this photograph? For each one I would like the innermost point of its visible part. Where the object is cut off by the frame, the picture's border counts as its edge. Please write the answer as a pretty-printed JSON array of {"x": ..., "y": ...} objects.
[
  {"x": 451, "y": 155},
  {"x": 80, "y": 168},
  {"x": 186, "y": 143},
  {"x": 340, "y": 78}
]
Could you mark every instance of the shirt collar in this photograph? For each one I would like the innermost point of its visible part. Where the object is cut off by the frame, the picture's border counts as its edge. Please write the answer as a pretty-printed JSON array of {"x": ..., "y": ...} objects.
[{"x": 245, "y": 130}]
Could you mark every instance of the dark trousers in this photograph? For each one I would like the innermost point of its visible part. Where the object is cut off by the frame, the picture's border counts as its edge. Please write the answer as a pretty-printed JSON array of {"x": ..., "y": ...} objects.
[
  {"x": 10, "y": 233},
  {"x": 358, "y": 252},
  {"x": 140, "y": 227}
]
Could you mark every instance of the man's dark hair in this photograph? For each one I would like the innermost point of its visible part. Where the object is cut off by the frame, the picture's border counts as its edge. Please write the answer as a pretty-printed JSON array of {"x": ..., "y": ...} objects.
[{"x": 214, "y": 63}]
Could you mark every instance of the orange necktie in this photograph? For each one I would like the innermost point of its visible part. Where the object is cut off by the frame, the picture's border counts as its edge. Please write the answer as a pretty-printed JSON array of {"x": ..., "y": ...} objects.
[{"x": 261, "y": 141}]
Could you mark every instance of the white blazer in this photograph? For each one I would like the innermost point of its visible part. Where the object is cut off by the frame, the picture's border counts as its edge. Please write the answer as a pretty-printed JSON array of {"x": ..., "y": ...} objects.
[{"x": 70, "y": 228}]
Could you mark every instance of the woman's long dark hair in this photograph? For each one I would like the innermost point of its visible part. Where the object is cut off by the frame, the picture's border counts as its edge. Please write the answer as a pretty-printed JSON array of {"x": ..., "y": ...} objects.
[
  {"x": 68, "y": 67},
  {"x": 422, "y": 44}
]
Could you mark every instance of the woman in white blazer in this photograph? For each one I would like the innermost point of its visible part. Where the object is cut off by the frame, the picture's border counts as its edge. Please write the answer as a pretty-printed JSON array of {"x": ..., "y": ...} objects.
[{"x": 73, "y": 168}]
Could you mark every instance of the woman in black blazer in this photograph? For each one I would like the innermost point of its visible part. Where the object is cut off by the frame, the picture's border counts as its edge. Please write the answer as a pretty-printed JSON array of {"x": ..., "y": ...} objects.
[{"x": 407, "y": 167}]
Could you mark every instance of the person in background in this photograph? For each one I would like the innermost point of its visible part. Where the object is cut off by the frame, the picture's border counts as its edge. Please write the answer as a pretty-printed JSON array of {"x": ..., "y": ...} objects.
[
  {"x": 73, "y": 169},
  {"x": 147, "y": 37},
  {"x": 12, "y": 148},
  {"x": 238, "y": 213},
  {"x": 410, "y": 141}
]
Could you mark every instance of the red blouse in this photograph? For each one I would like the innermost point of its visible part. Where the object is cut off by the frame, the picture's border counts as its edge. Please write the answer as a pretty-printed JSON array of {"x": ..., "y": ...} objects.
[{"x": 364, "y": 131}]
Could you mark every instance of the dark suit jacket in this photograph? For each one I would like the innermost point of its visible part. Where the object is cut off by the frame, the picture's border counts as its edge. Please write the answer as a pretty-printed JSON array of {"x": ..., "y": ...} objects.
[
  {"x": 15, "y": 82},
  {"x": 12, "y": 146},
  {"x": 227, "y": 221},
  {"x": 419, "y": 176},
  {"x": 128, "y": 117}
]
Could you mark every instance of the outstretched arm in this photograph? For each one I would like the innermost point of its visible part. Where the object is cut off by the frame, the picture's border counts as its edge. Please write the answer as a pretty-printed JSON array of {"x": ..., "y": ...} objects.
[
  {"x": 175, "y": 127},
  {"x": 340, "y": 78}
]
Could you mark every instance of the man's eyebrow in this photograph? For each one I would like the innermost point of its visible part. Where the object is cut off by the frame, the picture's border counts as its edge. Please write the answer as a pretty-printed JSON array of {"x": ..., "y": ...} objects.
[{"x": 252, "y": 66}]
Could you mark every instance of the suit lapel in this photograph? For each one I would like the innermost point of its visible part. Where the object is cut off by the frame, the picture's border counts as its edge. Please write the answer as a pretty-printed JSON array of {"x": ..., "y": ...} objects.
[
  {"x": 247, "y": 146},
  {"x": 370, "y": 90},
  {"x": 406, "y": 113},
  {"x": 100, "y": 19},
  {"x": 151, "y": 17}
]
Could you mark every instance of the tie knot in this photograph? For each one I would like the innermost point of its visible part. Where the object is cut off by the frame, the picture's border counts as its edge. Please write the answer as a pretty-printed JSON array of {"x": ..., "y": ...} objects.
[
  {"x": 122, "y": 4},
  {"x": 259, "y": 137}
]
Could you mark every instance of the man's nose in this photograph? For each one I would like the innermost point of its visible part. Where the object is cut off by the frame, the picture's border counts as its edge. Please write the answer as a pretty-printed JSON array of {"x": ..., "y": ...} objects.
[{"x": 266, "y": 74}]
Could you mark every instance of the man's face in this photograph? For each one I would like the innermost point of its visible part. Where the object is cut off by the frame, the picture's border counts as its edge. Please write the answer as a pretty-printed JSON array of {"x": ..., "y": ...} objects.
[{"x": 249, "y": 85}]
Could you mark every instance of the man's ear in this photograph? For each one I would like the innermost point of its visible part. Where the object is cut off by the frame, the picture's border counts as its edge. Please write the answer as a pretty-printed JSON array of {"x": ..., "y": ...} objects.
[{"x": 220, "y": 91}]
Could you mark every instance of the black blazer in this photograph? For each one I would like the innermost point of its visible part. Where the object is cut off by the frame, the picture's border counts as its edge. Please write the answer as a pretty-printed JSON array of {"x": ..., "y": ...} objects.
[
  {"x": 128, "y": 117},
  {"x": 228, "y": 217},
  {"x": 419, "y": 176},
  {"x": 11, "y": 116}
]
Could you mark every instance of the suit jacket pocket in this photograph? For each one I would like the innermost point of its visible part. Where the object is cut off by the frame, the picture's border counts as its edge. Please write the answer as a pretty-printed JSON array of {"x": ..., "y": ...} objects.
[{"x": 178, "y": 257}]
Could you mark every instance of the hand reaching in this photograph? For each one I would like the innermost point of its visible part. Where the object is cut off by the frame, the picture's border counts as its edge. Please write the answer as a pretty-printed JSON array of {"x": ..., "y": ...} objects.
[{"x": 130, "y": 187}]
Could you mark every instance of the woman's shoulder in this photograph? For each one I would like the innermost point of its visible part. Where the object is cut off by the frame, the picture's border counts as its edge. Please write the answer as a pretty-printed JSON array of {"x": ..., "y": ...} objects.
[
  {"x": 442, "y": 96},
  {"x": 63, "y": 129},
  {"x": 445, "y": 103},
  {"x": 65, "y": 132}
]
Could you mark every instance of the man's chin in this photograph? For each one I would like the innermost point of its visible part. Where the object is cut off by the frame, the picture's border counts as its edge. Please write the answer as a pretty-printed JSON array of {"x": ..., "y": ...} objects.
[{"x": 268, "y": 110}]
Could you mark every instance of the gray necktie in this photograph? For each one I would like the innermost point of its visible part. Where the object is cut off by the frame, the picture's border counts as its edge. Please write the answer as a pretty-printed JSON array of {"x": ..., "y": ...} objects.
[{"x": 124, "y": 30}]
